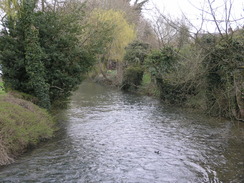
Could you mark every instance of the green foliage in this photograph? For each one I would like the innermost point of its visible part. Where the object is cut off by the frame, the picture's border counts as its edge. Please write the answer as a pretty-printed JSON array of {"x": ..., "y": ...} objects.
[
  {"x": 97, "y": 35},
  {"x": 34, "y": 66},
  {"x": 183, "y": 36},
  {"x": 41, "y": 54},
  {"x": 65, "y": 60},
  {"x": 136, "y": 53},
  {"x": 148, "y": 86},
  {"x": 109, "y": 33},
  {"x": 11, "y": 56},
  {"x": 222, "y": 75},
  {"x": 146, "y": 79},
  {"x": 2, "y": 90},
  {"x": 161, "y": 62},
  {"x": 132, "y": 78},
  {"x": 116, "y": 32},
  {"x": 10, "y": 7}
]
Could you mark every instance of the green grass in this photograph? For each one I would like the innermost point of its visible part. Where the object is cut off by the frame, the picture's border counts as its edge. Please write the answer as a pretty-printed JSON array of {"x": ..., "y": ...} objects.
[
  {"x": 21, "y": 124},
  {"x": 1, "y": 88},
  {"x": 148, "y": 87},
  {"x": 146, "y": 79},
  {"x": 112, "y": 72}
]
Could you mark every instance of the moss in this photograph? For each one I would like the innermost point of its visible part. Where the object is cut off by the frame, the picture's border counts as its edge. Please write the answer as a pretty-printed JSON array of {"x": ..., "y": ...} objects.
[{"x": 21, "y": 124}]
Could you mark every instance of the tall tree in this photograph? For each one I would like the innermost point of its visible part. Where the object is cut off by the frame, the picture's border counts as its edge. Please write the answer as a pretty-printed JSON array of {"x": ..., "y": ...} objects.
[
  {"x": 23, "y": 70},
  {"x": 120, "y": 34},
  {"x": 33, "y": 56},
  {"x": 45, "y": 61}
]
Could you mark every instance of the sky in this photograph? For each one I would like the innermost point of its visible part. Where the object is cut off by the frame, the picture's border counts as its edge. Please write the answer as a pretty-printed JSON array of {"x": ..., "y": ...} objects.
[{"x": 190, "y": 8}]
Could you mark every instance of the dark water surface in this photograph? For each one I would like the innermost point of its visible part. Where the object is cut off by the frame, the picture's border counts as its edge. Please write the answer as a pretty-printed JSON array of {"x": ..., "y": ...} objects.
[{"x": 109, "y": 136}]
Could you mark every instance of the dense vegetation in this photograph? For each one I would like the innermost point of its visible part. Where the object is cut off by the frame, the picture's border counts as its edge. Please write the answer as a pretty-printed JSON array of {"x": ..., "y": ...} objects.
[
  {"x": 47, "y": 48},
  {"x": 46, "y": 51},
  {"x": 205, "y": 74},
  {"x": 41, "y": 55}
]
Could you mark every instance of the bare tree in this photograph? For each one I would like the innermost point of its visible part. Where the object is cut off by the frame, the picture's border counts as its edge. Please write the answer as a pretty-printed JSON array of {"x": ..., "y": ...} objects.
[
  {"x": 146, "y": 34},
  {"x": 218, "y": 14}
]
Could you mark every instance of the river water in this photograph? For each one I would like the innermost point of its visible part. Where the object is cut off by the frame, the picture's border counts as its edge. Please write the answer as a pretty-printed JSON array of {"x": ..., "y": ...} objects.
[{"x": 110, "y": 136}]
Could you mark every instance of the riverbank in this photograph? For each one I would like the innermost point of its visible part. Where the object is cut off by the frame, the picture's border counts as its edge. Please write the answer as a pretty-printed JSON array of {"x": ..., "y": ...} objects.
[
  {"x": 146, "y": 88},
  {"x": 22, "y": 125},
  {"x": 1, "y": 87},
  {"x": 149, "y": 87}
]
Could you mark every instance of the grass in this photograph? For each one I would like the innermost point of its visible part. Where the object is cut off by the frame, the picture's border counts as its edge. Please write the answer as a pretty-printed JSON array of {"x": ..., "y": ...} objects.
[
  {"x": 2, "y": 91},
  {"x": 112, "y": 72},
  {"x": 21, "y": 124},
  {"x": 146, "y": 79}
]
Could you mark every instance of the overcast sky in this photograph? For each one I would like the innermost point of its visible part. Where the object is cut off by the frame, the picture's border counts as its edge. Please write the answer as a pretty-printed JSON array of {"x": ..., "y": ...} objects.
[{"x": 176, "y": 8}]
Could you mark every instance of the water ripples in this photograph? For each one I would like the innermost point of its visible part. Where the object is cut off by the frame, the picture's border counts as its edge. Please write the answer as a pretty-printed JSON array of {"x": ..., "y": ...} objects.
[{"x": 109, "y": 136}]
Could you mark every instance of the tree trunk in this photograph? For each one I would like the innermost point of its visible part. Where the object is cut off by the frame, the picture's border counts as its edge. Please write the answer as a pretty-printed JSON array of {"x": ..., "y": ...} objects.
[
  {"x": 43, "y": 5},
  {"x": 119, "y": 72},
  {"x": 102, "y": 72}
]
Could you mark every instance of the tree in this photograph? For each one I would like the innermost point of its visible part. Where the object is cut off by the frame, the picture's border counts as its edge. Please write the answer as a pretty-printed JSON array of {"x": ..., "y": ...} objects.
[
  {"x": 183, "y": 36},
  {"x": 131, "y": 9},
  {"x": 135, "y": 56},
  {"x": 122, "y": 33},
  {"x": 136, "y": 53},
  {"x": 24, "y": 70},
  {"x": 10, "y": 7},
  {"x": 146, "y": 34},
  {"x": 66, "y": 59},
  {"x": 35, "y": 69},
  {"x": 223, "y": 55},
  {"x": 112, "y": 34},
  {"x": 224, "y": 80},
  {"x": 216, "y": 57},
  {"x": 45, "y": 61},
  {"x": 161, "y": 62}
]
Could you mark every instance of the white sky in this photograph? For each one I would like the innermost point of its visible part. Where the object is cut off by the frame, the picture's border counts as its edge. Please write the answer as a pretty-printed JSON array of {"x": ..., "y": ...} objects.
[{"x": 175, "y": 8}]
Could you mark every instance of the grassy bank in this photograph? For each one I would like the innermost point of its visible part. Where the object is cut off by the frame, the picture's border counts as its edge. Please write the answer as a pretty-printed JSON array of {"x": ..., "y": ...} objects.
[
  {"x": 22, "y": 124},
  {"x": 1, "y": 87}
]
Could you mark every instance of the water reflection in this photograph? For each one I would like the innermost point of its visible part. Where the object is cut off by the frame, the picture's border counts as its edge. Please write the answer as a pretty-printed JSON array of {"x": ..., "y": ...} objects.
[{"x": 109, "y": 136}]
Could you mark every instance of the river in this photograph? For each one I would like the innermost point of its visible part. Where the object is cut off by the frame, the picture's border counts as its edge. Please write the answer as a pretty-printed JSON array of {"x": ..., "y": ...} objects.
[{"x": 110, "y": 136}]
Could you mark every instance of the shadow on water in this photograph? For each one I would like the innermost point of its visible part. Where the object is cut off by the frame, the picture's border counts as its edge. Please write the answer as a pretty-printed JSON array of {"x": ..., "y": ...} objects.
[{"x": 110, "y": 136}]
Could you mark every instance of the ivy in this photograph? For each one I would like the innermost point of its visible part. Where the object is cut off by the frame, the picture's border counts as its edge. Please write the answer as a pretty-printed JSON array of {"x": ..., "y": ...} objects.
[
  {"x": 161, "y": 62},
  {"x": 40, "y": 53}
]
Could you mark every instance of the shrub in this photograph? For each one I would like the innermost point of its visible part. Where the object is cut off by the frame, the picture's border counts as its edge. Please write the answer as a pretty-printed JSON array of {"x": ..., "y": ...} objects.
[
  {"x": 132, "y": 78},
  {"x": 45, "y": 61},
  {"x": 224, "y": 80}
]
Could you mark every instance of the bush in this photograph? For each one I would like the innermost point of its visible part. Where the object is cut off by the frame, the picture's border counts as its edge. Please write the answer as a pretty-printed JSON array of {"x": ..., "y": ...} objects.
[
  {"x": 45, "y": 61},
  {"x": 224, "y": 80},
  {"x": 136, "y": 53},
  {"x": 161, "y": 62},
  {"x": 132, "y": 78}
]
